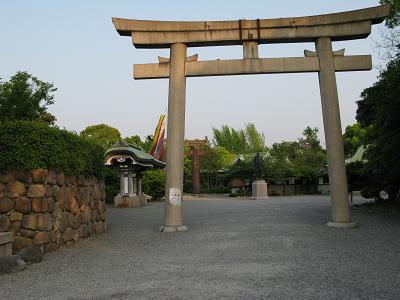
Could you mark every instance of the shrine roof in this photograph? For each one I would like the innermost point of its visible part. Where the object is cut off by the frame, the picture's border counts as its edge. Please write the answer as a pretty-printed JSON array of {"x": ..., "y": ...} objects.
[{"x": 122, "y": 148}]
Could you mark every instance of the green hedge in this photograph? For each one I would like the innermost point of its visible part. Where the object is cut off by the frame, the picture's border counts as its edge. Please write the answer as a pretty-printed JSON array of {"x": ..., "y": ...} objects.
[{"x": 26, "y": 145}]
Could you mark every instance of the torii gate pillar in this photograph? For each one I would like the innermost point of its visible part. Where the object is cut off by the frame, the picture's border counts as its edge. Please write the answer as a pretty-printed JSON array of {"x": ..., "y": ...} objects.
[
  {"x": 175, "y": 134},
  {"x": 333, "y": 135}
]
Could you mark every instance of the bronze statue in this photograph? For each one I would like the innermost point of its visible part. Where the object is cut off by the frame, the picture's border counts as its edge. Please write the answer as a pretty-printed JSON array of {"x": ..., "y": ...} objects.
[{"x": 259, "y": 166}]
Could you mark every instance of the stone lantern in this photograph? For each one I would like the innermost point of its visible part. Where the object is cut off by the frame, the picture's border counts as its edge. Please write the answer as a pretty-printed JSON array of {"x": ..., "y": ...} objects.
[{"x": 131, "y": 162}]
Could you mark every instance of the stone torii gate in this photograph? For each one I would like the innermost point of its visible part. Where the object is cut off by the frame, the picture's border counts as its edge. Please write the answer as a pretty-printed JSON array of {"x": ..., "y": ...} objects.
[{"x": 322, "y": 30}]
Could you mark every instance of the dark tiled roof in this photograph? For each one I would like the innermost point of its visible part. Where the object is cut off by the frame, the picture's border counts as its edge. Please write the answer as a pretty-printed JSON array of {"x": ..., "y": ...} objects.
[{"x": 138, "y": 154}]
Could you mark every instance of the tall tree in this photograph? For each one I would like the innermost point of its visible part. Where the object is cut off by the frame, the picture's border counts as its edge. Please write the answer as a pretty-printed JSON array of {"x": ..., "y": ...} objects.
[
  {"x": 311, "y": 157},
  {"x": 214, "y": 159},
  {"x": 379, "y": 110},
  {"x": 283, "y": 160},
  {"x": 24, "y": 97},
  {"x": 394, "y": 18},
  {"x": 301, "y": 159},
  {"x": 102, "y": 134},
  {"x": 354, "y": 137},
  {"x": 231, "y": 139},
  {"x": 135, "y": 140},
  {"x": 389, "y": 42},
  {"x": 239, "y": 141},
  {"x": 148, "y": 142},
  {"x": 310, "y": 140},
  {"x": 255, "y": 139}
]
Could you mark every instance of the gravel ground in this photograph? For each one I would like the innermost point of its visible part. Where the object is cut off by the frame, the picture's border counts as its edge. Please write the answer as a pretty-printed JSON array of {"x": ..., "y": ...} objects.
[{"x": 235, "y": 249}]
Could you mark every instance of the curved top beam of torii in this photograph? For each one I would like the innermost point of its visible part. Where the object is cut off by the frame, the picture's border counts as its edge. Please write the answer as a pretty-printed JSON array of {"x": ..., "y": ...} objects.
[{"x": 338, "y": 26}]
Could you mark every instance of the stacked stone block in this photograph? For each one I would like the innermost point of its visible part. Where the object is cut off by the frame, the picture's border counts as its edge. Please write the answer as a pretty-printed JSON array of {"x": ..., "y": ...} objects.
[{"x": 50, "y": 209}]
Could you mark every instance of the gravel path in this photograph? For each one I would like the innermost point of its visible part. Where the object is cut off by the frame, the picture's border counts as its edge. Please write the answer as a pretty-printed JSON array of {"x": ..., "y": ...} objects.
[{"x": 235, "y": 249}]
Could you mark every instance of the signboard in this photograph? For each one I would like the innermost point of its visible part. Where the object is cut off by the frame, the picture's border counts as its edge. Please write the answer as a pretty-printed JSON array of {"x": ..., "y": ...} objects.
[{"x": 175, "y": 196}]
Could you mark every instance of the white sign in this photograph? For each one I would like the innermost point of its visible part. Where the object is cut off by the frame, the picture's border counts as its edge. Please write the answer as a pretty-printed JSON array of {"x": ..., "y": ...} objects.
[{"x": 175, "y": 196}]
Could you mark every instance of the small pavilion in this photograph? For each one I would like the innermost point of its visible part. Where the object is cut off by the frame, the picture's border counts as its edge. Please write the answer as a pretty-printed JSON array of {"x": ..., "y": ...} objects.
[{"x": 131, "y": 163}]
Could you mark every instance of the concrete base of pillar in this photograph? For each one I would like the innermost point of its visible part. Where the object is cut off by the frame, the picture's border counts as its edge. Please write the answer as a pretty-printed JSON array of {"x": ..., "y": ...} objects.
[
  {"x": 259, "y": 189},
  {"x": 6, "y": 240},
  {"x": 173, "y": 228},
  {"x": 342, "y": 225}
]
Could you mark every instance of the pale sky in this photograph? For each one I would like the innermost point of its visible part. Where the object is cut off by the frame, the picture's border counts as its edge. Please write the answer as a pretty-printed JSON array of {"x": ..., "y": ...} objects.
[{"x": 74, "y": 45}]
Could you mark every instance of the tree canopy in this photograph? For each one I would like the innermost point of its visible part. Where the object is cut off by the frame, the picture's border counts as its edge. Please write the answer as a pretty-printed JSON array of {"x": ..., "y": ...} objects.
[
  {"x": 354, "y": 137},
  {"x": 134, "y": 140},
  {"x": 310, "y": 140},
  {"x": 102, "y": 134},
  {"x": 25, "y": 97},
  {"x": 239, "y": 141},
  {"x": 301, "y": 159},
  {"x": 394, "y": 18},
  {"x": 215, "y": 158},
  {"x": 379, "y": 110}
]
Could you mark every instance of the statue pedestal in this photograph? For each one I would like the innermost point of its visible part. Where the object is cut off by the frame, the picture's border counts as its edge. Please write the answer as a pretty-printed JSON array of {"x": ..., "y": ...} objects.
[{"x": 259, "y": 189}]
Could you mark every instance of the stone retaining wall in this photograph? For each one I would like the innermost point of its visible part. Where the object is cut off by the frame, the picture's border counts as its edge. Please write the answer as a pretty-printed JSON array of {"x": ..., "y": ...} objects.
[{"x": 50, "y": 209}]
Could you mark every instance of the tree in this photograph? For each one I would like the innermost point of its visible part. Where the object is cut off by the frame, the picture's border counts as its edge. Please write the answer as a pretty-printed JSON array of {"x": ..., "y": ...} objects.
[
  {"x": 187, "y": 175},
  {"x": 311, "y": 155},
  {"x": 148, "y": 142},
  {"x": 354, "y": 137},
  {"x": 255, "y": 139},
  {"x": 102, "y": 134},
  {"x": 301, "y": 159},
  {"x": 242, "y": 169},
  {"x": 282, "y": 161},
  {"x": 310, "y": 140},
  {"x": 394, "y": 19},
  {"x": 24, "y": 97},
  {"x": 389, "y": 42},
  {"x": 239, "y": 141},
  {"x": 214, "y": 159},
  {"x": 153, "y": 183},
  {"x": 379, "y": 110},
  {"x": 135, "y": 140},
  {"x": 231, "y": 139}
]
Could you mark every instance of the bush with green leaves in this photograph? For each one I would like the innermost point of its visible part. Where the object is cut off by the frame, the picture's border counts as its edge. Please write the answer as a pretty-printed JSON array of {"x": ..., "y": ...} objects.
[
  {"x": 216, "y": 190},
  {"x": 27, "y": 145},
  {"x": 112, "y": 181},
  {"x": 25, "y": 97},
  {"x": 153, "y": 183}
]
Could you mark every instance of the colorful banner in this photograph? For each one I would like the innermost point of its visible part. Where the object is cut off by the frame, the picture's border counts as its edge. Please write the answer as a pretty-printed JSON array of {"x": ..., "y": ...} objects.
[{"x": 157, "y": 148}]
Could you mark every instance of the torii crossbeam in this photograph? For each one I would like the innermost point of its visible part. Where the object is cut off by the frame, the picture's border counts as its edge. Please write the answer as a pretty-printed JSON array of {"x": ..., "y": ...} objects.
[{"x": 322, "y": 30}]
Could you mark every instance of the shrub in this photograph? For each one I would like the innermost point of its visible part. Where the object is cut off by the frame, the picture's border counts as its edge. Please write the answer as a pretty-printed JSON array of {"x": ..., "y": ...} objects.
[
  {"x": 370, "y": 192},
  {"x": 239, "y": 194},
  {"x": 153, "y": 183},
  {"x": 27, "y": 145}
]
